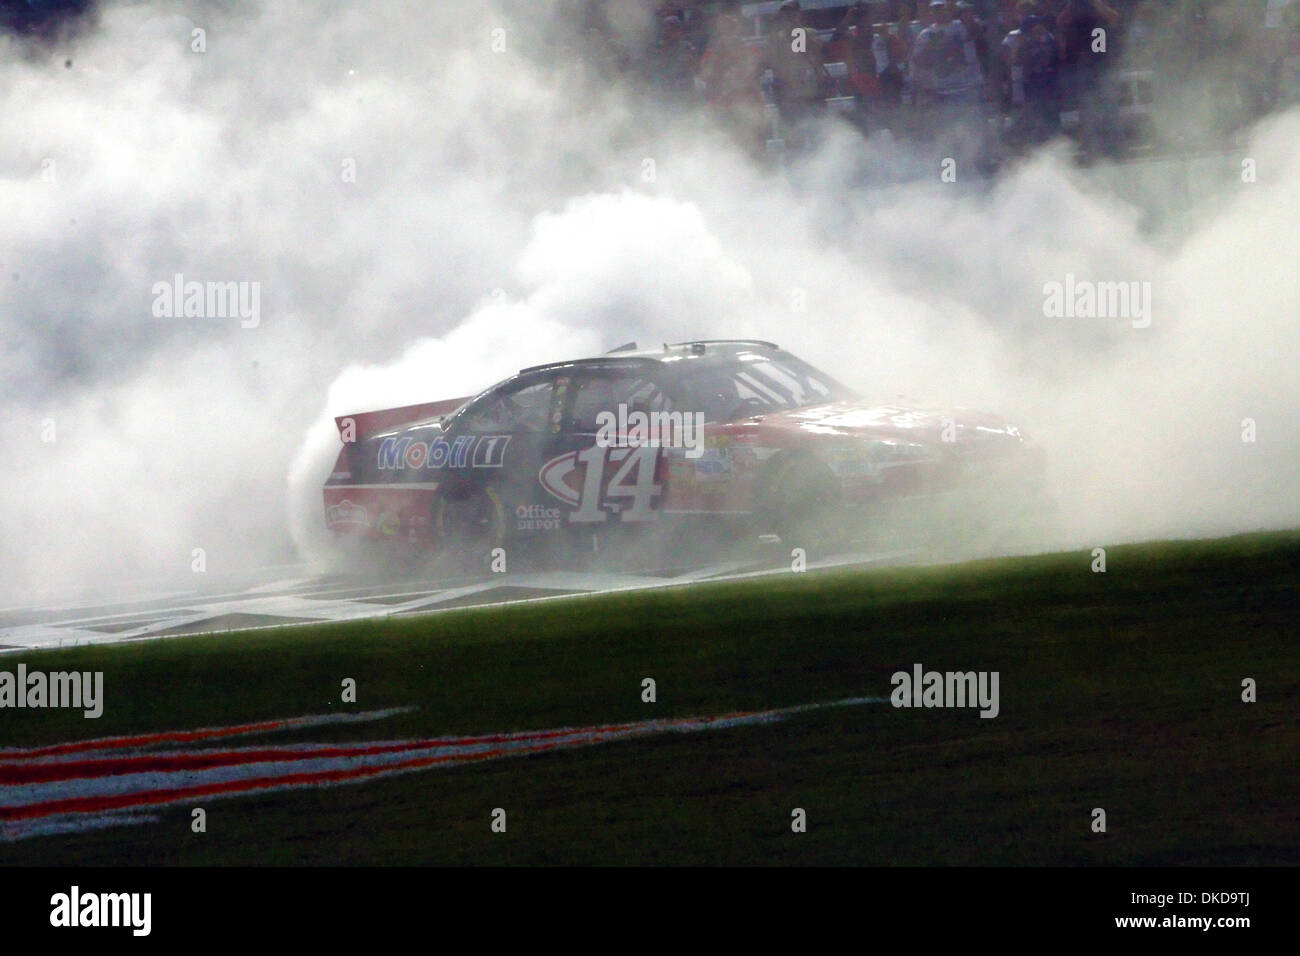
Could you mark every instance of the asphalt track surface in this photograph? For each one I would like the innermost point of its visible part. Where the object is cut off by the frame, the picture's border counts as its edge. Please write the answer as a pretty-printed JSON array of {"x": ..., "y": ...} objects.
[{"x": 286, "y": 595}]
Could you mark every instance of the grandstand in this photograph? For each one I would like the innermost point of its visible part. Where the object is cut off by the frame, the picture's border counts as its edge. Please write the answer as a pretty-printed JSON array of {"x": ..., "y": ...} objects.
[{"x": 1034, "y": 72}]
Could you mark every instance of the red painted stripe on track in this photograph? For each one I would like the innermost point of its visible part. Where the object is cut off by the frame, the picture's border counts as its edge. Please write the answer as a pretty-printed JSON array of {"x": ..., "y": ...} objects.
[
  {"x": 173, "y": 795},
  {"x": 141, "y": 740},
  {"x": 26, "y": 773}
]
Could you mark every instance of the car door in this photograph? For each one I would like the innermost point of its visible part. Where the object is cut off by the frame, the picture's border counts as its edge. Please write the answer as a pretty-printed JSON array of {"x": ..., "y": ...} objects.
[
  {"x": 595, "y": 474},
  {"x": 498, "y": 441}
]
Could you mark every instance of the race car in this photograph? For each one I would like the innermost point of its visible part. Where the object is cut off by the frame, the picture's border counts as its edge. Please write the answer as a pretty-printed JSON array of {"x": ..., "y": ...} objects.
[{"x": 736, "y": 432}]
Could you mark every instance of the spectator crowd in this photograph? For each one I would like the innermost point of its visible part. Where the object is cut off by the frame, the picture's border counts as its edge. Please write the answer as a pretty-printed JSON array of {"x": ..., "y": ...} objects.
[{"x": 1016, "y": 71}]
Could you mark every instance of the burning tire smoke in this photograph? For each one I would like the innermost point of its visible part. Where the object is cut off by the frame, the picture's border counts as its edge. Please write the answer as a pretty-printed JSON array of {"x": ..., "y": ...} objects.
[{"x": 423, "y": 214}]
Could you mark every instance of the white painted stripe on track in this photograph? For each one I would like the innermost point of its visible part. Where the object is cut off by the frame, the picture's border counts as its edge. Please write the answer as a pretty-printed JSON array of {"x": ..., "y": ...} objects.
[{"x": 373, "y": 602}]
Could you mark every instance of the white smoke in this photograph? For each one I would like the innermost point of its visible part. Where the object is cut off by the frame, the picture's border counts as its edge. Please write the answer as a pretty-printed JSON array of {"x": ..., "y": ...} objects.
[{"x": 426, "y": 215}]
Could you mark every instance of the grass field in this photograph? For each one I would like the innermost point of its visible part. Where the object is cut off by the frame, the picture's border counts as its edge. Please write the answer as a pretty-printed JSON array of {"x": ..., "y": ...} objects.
[{"x": 1119, "y": 690}]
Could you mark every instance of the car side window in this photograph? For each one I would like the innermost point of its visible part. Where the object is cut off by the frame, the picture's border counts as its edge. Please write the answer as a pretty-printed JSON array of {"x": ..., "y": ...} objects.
[
  {"x": 521, "y": 405},
  {"x": 604, "y": 391}
]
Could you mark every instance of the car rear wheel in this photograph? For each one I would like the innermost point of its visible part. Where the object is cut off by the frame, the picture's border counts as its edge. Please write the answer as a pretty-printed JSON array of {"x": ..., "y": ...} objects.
[{"x": 469, "y": 524}]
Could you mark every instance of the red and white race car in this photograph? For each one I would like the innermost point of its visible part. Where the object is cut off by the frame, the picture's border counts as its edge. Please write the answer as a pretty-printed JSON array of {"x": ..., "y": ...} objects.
[{"x": 738, "y": 431}]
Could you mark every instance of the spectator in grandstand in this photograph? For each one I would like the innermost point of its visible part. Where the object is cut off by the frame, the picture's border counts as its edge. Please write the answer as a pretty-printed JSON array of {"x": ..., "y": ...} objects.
[
  {"x": 671, "y": 63},
  {"x": 1010, "y": 14},
  {"x": 1084, "y": 53},
  {"x": 856, "y": 21},
  {"x": 794, "y": 55},
  {"x": 997, "y": 76},
  {"x": 1138, "y": 31},
  {"x": 894, "y": 44},
  {"x": 923, "y": 17},
  {"x": 1076, "y": 27},
  {"x": 947, "y": 85},
  {"x": 695, "y": 25},
  {"x": 853, "y": 45},
  {"x": 1012, "y": 89},
  {"x": 1280, "y": 50},
  {"x": 729, "y": 73},
  {"x": 837, "y": 48},
  {"x": 978, "y": 31},
  {"x": 893, "y": 48},
  {"x": 944, "y": 66},
  {"x": 1036, "y": 59}
]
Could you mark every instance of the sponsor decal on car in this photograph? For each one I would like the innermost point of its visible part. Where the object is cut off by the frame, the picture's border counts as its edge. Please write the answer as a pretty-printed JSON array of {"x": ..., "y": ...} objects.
[
  {"x": 577, "y": 479},
  {"x": 714, "y": 464},
  {"x": 537, "y": 518},
  {"x": 869, "y": 459},
  {"x": 477, "y": 451},
  {"x": 345, "y": 513}
]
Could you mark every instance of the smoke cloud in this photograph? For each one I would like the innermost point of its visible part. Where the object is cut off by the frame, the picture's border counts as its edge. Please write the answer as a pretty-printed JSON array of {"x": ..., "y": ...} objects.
[{"x": 423, "y": 215}]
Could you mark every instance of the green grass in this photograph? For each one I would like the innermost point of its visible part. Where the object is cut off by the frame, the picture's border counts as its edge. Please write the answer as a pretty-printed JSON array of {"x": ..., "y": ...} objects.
[{"x": 1118, "y": 690}]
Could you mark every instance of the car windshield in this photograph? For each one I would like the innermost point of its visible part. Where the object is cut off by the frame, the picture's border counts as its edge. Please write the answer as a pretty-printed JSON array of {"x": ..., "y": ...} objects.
[{"x": 755, "y": 384}]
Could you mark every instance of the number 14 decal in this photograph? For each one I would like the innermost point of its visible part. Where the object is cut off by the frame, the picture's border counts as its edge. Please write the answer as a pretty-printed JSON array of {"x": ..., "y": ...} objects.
[
  {"x": 633, "y": 480},
  {"x": 637, "y": 464}
]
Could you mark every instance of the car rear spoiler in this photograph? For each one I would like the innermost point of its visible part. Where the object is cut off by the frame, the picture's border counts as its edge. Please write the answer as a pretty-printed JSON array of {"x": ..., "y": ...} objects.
[{"x": 367, "y": 423}]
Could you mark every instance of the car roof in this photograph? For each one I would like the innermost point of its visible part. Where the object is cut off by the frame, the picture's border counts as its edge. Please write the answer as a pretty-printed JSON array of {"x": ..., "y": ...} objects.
[{"x": 703, "y": 350}]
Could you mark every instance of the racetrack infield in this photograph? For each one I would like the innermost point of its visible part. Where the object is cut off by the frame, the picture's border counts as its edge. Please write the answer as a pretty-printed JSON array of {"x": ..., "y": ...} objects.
[{"x": 1119, "y": 690}]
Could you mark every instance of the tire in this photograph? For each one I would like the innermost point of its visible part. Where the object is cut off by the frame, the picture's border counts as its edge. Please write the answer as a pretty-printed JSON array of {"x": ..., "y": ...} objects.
[
  {"x": 806, "y": 507},
  {"x": 468, "y": 524}
]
